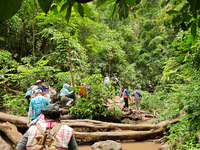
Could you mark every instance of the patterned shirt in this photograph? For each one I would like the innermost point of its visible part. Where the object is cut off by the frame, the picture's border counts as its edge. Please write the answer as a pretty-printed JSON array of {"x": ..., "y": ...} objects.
[
  {"x": 36, "y": 105},
  {"x": 62, "y": 137}
]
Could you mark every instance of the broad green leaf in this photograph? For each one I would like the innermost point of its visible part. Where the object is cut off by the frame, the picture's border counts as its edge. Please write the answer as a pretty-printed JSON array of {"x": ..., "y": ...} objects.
[
  {"x": 185, "y": 7},
  {"x": 170, "y": 12},
  {"x": 131, "y": 2},
  {"x": 80, "y": 10},
  {"x": 126, "y": 11},
  {"x": 87, "y": 9},
  {"x": 75, "y": 7},
  {"x": 68, "y": 14},
  {"x": 64, "y": 6},
  {"x": 186, "y": 16},
  {"x": 9, "y": 8},
  {"x": 104, "y": 2},
  {"x": 54, "y": 9},
  {"x": 45, "y": 5},
  {"x": 194, "y": 29},
  {"x": 176, "y": 19},
  {"x": 113, "y": 11}
]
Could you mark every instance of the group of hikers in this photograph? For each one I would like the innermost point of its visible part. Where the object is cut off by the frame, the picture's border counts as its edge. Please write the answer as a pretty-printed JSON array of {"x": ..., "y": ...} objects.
[
  {"x": 124, "y": 95},
  {"x": 45, "y": 129}
]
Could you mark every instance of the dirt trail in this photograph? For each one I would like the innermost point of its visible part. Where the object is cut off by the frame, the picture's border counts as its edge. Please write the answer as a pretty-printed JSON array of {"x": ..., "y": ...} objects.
[{"x": 145, "y": 118}]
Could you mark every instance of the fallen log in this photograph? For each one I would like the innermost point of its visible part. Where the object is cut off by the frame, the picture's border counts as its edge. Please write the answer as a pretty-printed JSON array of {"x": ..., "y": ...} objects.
[
  {"x": 97, "y": 125},
  {"x": 100, "y": 136},
  {"x": 94, "y": 125},
  {"x": 19, "y": 121},
  {"x": 11, "y": 132},
  {"x": 7, "y": 89},
  {"x": 133, "y": 132}
]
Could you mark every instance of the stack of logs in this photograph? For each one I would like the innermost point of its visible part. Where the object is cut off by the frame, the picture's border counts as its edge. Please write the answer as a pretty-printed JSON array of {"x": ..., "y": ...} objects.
[{"x": 84, "y": 130}]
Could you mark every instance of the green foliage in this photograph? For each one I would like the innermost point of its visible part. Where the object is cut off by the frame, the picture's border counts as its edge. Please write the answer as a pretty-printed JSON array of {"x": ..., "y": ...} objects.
[
  {"x": 7, "y": 60},
  {"x": 16, "y": 104},
  {"x": 95, "y": 103},
  {"x": 186, "y": 15}
]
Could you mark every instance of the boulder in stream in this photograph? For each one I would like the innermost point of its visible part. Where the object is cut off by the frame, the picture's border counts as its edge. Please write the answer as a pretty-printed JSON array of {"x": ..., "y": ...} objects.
[{"x": 107, "y": 145}]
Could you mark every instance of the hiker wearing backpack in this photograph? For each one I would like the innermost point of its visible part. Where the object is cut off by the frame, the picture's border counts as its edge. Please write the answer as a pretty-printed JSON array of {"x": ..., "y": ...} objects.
[
  {"x": 125, "y": 95},
  {"x": 138, "y": 97},
  {"x": 45, "y": 88},
  {"x": 67, "y": 97},
  {"x": 49, "y": 134},
  {"x": 36, "y": 105},
  {"x": 30, "y": 93},
  {"x": 34, "y": 88}
]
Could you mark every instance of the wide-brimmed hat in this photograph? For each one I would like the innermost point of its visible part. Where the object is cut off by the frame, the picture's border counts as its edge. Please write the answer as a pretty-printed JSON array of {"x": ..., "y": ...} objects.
[{"x": 51, "y": 109}]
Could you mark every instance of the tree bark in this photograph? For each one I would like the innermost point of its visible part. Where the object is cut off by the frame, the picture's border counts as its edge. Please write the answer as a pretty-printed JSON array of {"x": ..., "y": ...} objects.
[
  {"x": 100, "y": 136},
  {"x": 120, "y": 131},
  {"x": 3, "y": 144},
  {"x": 19, "y": 121},
  {"x": 6, "y": 88},
  {"x": 11, "y": 132}
]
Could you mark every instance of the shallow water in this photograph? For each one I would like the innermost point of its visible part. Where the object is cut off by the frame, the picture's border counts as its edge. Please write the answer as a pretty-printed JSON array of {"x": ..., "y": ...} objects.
[{"x": 130, "y": 145}]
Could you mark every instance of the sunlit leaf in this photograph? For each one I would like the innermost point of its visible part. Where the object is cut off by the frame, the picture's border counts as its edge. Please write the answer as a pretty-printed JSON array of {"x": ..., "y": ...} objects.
[
  {"x": 54, "y": 8},
  {"x": 64, "y": 6},
  {"x": 104, "y": 2},
  {"x": 87, "y": 9},
  {"x": 45, "y": 5},
  {"x": 8, "y": 8},
  {"x": 113, "y": 11}
]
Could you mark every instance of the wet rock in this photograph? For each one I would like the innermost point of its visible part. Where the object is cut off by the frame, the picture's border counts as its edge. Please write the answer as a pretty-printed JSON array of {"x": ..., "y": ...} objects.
[{"x": 107, "y": 145}]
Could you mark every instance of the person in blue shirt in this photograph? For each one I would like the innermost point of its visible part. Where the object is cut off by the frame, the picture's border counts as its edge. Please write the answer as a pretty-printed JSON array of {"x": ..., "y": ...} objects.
[
  {"x": 125, "y": 95},
  {"x": 36, "y": 105},
  {"x": 66, "y": 96}
]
